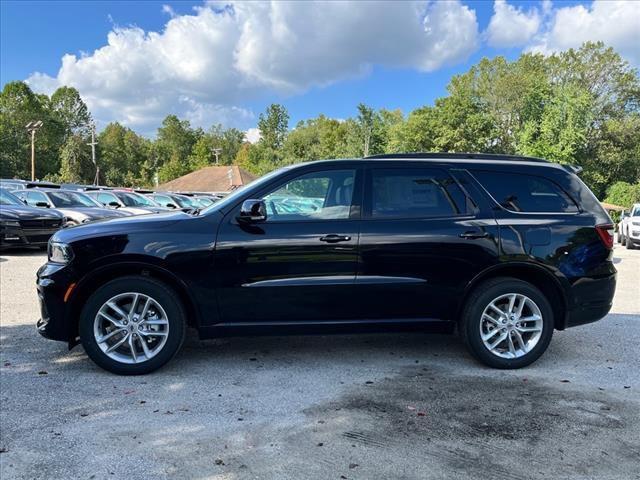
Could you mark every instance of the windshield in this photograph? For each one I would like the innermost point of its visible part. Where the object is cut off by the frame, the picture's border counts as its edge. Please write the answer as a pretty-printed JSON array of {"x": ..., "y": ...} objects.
[
  {"x": 64, "y": 199},
  {"x": 184, "y": 201},
  {"x": 233, "y": 197},
  {"x": 131, "y": 199},
  {"x": 7, "y": 198}
]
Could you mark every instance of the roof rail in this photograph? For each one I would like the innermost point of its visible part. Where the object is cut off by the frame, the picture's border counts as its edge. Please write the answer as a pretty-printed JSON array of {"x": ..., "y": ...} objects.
[{"x": 461, "y": 156}]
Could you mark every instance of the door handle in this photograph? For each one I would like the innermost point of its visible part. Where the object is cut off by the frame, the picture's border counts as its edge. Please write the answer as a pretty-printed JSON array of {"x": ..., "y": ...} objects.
[
  {"x": 333, "y": 238},
  {"x": 472, "y": 235}
]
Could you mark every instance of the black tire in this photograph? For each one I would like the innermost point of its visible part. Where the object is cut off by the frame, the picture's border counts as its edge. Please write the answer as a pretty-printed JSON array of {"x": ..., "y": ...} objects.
[
  {"x": 623, "y": 240},
  {"x": 474, "y": 307},
  {"x": 630, "y": 245},
  {"x": 161, "y": 293}
]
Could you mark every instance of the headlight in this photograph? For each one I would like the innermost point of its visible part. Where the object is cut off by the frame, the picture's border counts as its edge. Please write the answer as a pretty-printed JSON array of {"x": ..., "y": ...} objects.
[
  {"x": 9, "y": 223},
  {"x": 60, "y": 252}
]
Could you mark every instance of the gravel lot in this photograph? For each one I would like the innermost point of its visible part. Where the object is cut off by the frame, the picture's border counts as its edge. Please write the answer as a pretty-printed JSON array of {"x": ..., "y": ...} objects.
[{"x": 355, "y": 407}]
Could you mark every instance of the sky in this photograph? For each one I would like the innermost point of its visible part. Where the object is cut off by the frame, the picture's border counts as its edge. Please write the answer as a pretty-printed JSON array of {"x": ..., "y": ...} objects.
[{"x": 225, "y": 62}]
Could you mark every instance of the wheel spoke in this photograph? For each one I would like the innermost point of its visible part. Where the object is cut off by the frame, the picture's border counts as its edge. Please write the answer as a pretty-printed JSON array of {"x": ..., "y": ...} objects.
[
  {"x": 496, "y": 309},
  {"x": 152, "y": 333},
  {"x": 512, "y": 348},
  {"x": 520, "y": 306},
  {"x": 532, "y": 318},
  {"x": 491, "y": 334},
  {"x": 145, "y": 309},
  {"x": 113, "y": 306},
  {"x": 108, "y": 317},
  {"x": 109, "y": 335},
  {"x": 520, "y": 341},
  {"x": 132, "y": 347},
  {"x": 155, "y": 322},
  {"x": 117, "y": 344},
  {"x": 529, "y": 329},
  {"x": 145, "y": 348},
  {"x": 512, "y": 301},
  {"x": 498, "y": 341},
  {"x": 134, "y": 304},
  {"x": 490, "y": 319}
]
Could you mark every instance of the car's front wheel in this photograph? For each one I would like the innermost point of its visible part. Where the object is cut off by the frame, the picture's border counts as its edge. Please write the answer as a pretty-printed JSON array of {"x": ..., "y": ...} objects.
[
  {"x": 132, "y": 325},
  {"x": 507, "y": 323}
]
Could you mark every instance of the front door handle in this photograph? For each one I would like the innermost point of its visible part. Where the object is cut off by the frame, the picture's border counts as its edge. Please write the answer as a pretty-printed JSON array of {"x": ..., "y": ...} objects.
[
  {"x": 472, "y": 235},
  {"x": 333, "y": 238}
]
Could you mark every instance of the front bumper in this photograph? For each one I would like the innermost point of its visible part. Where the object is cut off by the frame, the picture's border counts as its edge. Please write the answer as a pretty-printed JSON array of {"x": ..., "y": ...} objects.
[
  {"x": 53, "y": 283},
  {"x": 592, "y": 300},
  {"x": 19, "y": 237}
]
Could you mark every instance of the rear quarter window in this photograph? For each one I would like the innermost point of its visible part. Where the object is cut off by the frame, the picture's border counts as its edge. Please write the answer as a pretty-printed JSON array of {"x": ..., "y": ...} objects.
[{"x": 525, "y": 193}]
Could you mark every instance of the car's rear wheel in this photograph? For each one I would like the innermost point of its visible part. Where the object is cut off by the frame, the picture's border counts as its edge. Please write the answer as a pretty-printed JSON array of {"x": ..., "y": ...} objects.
[
  {"x": 629, "y": 244},
  {"x": 132, "y": 325},
  {"x": 507, "y": 323}
]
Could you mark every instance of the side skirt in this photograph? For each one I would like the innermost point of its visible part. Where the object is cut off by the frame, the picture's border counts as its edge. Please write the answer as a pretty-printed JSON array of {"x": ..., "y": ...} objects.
[{"x": 327, "y": 327}]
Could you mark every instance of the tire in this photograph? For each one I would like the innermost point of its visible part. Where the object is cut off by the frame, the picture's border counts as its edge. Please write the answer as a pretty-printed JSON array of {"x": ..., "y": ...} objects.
[
  {"x": 630, "y": 245},
  {"x": 623, "y": 241},
  {"x": 160, "y": 323},
  {"x": 474, "y": 323}
]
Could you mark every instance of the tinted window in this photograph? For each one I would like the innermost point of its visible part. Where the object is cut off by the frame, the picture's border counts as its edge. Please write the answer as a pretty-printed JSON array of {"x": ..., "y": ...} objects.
[
  {"x": 314, "y": 196},
  {"x": 525, "y": 193},
  {"x": 65, "y": 199},
  {"x": 107, "y": 198},
  {"x": 6, "y": 198},
  {"x": 36, "y": 197},
  {"x": 414, "y": 193}
]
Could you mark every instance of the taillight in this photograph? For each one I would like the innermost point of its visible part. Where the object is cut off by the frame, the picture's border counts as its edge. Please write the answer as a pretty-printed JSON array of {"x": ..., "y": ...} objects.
[{"x": 605, "y": 232}]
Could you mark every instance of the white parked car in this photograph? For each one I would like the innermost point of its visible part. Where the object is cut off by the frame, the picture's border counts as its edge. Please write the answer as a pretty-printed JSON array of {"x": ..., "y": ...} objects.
[{"x": 629, "y": 228}]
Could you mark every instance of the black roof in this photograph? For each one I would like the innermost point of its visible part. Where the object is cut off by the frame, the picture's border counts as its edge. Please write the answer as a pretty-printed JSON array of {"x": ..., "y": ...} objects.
[{"x": 458, "y": 156}]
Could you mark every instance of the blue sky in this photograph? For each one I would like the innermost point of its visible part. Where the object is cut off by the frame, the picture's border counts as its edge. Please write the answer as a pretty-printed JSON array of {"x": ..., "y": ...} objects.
[{"x": 211, "y": 62}]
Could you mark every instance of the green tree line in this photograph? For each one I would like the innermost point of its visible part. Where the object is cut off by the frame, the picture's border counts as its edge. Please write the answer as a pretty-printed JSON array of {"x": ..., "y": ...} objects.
[{"x": 578, "y": 107}]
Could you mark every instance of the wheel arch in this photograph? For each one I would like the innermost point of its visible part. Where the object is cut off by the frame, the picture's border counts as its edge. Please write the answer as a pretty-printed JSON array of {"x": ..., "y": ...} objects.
[
  {"x": 92, "y": 281},
  {"x": 538, "y": 276}
]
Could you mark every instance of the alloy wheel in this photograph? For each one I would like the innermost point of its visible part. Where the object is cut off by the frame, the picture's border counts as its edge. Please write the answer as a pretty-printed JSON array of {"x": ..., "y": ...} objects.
[
  {"x": 131, "y": 328},
  {"x": 511, "y": 325}
]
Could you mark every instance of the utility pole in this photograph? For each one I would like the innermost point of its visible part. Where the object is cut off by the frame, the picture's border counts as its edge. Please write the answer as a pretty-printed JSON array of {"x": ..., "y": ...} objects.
[
  {"x": 32, "y": 128},
  {"x": 216, "y": 152},
  {"x": 93, "y": 144}
]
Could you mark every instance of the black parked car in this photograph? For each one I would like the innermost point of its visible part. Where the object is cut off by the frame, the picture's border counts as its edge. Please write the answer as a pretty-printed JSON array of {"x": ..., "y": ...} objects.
[
  {"x": 503, "y": 249},
  {"x": 76, "y": 207},
  {"x": 23, "y": 226}
]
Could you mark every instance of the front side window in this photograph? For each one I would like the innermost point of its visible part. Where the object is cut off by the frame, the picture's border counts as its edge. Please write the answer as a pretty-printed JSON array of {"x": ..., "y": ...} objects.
[
  {"x": 525, "y": 193},
  {"x": 107, "y": 198},
  {"x": 134, "y": 200},
  {"x": 415, "y": 193},
  {"x": 314, "y": 196}
]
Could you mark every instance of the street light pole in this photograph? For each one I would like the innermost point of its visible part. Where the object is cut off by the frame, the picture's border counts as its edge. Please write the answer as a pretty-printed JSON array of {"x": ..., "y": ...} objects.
[
  {"x": 93, "y": 144},
  {"x": 32, "y": 128},
  {"x": 216, "y": 152}
]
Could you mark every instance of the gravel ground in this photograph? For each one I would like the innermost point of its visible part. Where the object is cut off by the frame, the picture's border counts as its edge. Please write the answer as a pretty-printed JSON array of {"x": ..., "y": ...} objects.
[{"x": 356, "y": 407}]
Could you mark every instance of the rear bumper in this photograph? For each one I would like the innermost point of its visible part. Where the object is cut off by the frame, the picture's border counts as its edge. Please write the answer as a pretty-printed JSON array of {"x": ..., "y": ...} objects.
[{"x": 592, "y": 300}]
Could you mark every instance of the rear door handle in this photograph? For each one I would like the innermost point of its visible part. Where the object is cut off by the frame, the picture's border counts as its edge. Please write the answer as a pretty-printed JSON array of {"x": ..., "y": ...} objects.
[
  {"x": 333, "y": 238},
  {"x": 472, "y": 235}
]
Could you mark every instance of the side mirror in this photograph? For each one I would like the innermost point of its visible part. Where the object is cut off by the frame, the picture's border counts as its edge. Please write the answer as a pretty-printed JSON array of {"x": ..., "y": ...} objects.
[
  {"x": 252, "y": 211},
  {"x": 172, "y": 205},
  {"x": 113, "y": 204},
  {"x": 42, "y": 204}
]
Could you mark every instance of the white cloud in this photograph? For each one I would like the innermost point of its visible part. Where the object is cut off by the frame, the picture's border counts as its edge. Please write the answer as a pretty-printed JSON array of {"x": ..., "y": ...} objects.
[
  {"x": 202, "y": 66},
  {"x": 252, "y": 135},
  {"x": 617, "y": 23},
  {"x": 511, "y": 26}
]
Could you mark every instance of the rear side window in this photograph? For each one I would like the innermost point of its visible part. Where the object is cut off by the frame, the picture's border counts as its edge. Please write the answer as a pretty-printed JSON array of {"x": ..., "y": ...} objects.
[
  {"x": 525, "y": 193},
  {"x": 415, "y": 193}
]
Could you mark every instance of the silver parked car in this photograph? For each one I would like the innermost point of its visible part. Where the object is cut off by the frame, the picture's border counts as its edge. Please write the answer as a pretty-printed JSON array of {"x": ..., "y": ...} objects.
[{"x": 75, "y": 206}]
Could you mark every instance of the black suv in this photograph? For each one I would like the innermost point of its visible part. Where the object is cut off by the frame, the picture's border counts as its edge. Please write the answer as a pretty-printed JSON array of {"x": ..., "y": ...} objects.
[{"x": 502, "y": 249}]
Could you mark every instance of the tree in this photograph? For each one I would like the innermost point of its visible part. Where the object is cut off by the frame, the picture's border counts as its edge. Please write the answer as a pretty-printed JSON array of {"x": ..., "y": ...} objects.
[
  {"x": 75, "y": 159},
  {"x": 623, "y": 194},
  {"x": 71, "y": 111},
  {"x": 274, "y": 126}
]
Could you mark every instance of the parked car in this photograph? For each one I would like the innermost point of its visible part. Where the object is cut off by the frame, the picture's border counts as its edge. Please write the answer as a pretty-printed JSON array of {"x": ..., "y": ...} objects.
[
  {"x": 503, "y": 249},
  {"x": 126, "y": 201},
  {"x": 629, "y": 226},
  {"x": 24, "y": 226},
  {"x": 17, "y": 184},
  {"x": 75, "y": 206},
  {"x": 174, "y": 201},
  {"x": 624, "y": 214}
]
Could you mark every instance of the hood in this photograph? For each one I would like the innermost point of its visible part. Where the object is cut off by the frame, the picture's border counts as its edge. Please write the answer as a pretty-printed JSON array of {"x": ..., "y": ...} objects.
[
  {"x": 18, "y": 212},
  {"x": 121, "y": 225},
  {"x": 81, "y": 214},
  {"x": 142, "y": 210}
]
